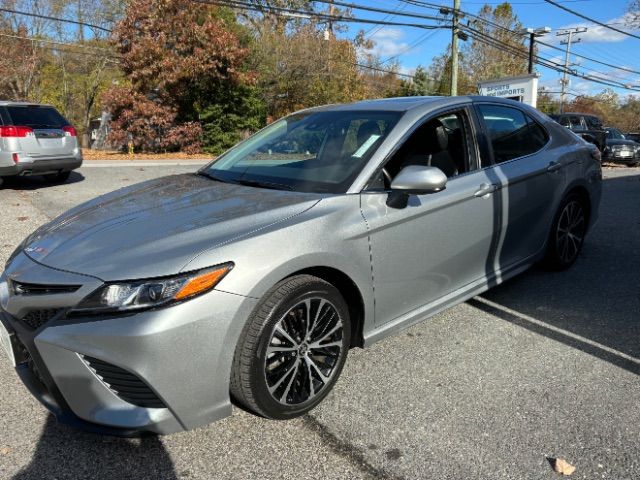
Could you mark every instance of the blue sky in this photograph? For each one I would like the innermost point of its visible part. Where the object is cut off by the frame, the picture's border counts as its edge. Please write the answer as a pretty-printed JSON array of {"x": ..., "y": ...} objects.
[{"x": 417, "y": 46}]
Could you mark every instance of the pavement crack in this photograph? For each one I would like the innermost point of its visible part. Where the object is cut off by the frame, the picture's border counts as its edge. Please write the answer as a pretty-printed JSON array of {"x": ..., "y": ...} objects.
[{"x": 352, "y": 454}]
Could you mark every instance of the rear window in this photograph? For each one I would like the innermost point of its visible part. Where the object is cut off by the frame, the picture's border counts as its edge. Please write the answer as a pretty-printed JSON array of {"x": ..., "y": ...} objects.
[{"x": 35, "y": 117}]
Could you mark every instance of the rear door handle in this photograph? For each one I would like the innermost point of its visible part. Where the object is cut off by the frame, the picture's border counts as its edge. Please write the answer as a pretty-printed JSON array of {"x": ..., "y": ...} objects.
[
  {"x": 485, "y": 189},
  {"x": 554, "y": 166}
]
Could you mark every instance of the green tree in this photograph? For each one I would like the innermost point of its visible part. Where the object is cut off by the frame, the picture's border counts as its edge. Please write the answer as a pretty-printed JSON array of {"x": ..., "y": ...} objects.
[{"x": 420, "y": 84}]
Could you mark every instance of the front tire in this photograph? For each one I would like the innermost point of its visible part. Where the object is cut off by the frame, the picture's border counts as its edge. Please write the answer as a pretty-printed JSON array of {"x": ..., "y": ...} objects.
[
  {"x": 567, "y": 233},
  {"x": 292, "y": 349}
]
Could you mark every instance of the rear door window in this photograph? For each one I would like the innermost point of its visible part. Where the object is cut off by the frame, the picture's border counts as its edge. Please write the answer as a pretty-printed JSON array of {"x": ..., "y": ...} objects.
[
  {"x": 35, "y": 116},
  {"x": 593, "y": 123},
  {"x": 512, "y": 133}
]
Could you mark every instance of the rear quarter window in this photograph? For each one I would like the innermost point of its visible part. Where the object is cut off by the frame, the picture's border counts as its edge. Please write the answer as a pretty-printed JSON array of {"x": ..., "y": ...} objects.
[
  {"x": 513, "y": 133},
  {"x": 35, "y": 116}
]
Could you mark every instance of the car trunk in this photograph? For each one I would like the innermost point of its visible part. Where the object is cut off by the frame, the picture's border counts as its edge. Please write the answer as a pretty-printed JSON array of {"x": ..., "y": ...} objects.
[{"x": 48, "y": 139}]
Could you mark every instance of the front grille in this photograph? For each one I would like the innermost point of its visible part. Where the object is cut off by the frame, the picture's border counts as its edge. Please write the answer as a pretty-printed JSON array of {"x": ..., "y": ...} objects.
[
  {"x": 20, "y": 288},
  {"x": 124, "y": 384},
  {"x": 36, "y": 318}
]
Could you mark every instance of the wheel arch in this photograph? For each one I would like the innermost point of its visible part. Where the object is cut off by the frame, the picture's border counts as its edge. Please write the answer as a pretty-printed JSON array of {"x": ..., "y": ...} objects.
[
  {"x": 583, "y": 193},
  {"x": 349, "y": 290}
]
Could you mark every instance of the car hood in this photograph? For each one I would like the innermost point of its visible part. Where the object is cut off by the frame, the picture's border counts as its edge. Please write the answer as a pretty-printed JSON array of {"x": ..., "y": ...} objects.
[
  {"x": 155, "y": 228},
  {"x": 619, "y": 141}
]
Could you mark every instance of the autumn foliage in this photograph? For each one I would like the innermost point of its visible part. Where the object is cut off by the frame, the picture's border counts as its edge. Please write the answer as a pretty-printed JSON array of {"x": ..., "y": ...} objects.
[{"x": 175, "y": 54}]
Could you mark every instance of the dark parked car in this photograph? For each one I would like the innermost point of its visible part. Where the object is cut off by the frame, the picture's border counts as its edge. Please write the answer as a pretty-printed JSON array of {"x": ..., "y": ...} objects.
[
  {"x": 587, "y": 126},
  {"x": 620, "y": 149}
]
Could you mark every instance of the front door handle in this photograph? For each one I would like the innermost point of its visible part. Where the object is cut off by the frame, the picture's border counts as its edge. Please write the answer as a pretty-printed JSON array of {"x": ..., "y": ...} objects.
[
  {"x": 554, "y": 166},
  {"x": 485, "y": 189}
]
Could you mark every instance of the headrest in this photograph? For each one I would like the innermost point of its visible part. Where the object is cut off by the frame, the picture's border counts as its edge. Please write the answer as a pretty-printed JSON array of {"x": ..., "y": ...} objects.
[
  {"x": 366, "y": 130},
  {"x": 436, "y": 136}
]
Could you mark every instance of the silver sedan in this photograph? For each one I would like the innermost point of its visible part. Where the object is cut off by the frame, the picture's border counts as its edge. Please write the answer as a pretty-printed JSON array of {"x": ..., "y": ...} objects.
[{"x": 152, "y": 307}]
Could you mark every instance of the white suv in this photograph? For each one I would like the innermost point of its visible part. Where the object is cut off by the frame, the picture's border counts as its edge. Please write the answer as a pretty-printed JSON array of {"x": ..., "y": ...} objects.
[{"x": 36, "y": 139}]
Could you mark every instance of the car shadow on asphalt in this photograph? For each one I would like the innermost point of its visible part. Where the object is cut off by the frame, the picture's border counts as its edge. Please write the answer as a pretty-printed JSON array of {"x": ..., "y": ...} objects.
[
  {"x": 65, "y": 453},
  {"x": 594, "y": 305},
  {"x": 37, "y": 182}
]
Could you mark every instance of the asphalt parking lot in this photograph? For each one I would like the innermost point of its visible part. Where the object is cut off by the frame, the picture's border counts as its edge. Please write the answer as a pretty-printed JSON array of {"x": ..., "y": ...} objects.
[{"x": 545, "y": 365}]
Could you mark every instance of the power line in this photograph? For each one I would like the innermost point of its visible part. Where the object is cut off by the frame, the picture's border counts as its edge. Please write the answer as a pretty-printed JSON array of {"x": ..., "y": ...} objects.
[
  {"x": 487, "y": 39},
  {"x": 379, "y": 10},
  {"x": 373, "y": 30},
  {"x": 513, "y": 32},
  {"x": 55, "y": 19},
  {"x": 597, "y": 22},
  {"x": 421, "y": 39},
  {"x": 53, "y": 42},
  {"x": 336, "y": 18}
]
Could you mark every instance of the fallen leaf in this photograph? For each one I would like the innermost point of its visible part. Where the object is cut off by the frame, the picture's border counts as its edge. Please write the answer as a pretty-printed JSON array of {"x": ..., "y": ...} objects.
[
  {"x": 560, "y": 465},
  {"x": 5, "y": 450},
  {"x": 22, "y": 219}
]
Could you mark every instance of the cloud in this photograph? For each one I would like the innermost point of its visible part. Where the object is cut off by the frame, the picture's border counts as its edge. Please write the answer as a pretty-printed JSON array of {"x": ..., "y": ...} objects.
[
  {"x": 597, "y": 33},
  {"x": 406, "y": 70},
  {"x": 387, "y": 42}
]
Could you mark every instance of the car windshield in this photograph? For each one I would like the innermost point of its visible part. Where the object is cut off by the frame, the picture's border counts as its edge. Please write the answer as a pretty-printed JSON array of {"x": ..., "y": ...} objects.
[
  {"x": 35, "y": 116},
  {"x": 307, "y": 152},
  {"x": 614, "y": 134}
]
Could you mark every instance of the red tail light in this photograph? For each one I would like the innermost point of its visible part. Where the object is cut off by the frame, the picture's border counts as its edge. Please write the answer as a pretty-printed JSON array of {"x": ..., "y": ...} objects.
[
  {"x": 70, "y": 131},
  {"x": 13, "y": 131}
]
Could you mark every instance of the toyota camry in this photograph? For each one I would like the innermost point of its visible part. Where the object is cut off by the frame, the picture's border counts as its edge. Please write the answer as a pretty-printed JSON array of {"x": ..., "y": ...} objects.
[{"x": 156, "y": 307}]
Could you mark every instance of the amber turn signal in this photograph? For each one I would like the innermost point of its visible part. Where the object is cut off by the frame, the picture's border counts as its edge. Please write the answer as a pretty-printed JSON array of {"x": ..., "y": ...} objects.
[{"x": 203, "y": 282}]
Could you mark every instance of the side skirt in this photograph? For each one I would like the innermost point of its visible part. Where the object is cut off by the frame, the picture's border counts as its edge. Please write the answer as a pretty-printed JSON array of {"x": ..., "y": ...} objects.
[{"x": 454, "y": 298}]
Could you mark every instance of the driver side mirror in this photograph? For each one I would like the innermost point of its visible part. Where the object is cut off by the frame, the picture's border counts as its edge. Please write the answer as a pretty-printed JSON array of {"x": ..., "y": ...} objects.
[{"x": 417, "y": 180}]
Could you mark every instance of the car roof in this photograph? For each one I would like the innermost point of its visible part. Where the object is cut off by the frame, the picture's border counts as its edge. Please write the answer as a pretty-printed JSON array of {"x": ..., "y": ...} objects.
[
  {"x": 9, "y": 103},
  {"x": 404, "y": 104},
  {"x": 579, "y": 114}
]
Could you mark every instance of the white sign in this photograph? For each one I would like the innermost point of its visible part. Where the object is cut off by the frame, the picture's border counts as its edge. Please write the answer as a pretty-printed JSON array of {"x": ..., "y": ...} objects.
[{"x": 523, "y": 88}]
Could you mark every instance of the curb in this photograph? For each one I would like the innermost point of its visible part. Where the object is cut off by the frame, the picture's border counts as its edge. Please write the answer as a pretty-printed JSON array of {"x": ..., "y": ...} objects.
[{"x": 142, "y": 163}]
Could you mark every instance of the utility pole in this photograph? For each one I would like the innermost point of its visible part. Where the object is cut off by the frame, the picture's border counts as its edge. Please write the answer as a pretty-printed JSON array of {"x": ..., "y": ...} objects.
[
  {"x": 330, "y": 25},
  {"x": 533, "y": 33},
  {"x": 569, "y": 33},
  {"x": 454, "y": 48}
]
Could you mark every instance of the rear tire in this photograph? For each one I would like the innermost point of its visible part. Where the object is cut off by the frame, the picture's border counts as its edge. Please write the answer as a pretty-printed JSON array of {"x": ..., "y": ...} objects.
[
  {"x": 567, "y": 233},
  {"x": 292, "y": 349},
  {"x": 57, "y": 177}
]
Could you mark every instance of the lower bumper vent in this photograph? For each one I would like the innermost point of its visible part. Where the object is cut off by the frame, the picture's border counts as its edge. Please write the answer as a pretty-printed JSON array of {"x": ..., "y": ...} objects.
[
  {"x": 36, "y": 318},
  {"x": 124, "y": 384}
]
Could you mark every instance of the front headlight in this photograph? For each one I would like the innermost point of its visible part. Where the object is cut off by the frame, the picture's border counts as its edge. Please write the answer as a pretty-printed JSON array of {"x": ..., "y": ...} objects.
[{"x": 139, "y": 295}]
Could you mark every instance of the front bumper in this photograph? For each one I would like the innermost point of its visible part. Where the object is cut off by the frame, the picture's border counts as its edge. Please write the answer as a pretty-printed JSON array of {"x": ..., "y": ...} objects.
[
  {"x": 183, "y": 354},
  {"x": 38, "y": 166},
  {"x": 617, "y": 157}
]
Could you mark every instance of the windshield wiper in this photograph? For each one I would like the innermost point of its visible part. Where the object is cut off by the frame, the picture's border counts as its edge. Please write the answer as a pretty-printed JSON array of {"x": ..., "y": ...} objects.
[
  {"x": 270, "y": 185},
  {"x": 247, "y": 183},
  {"x": 210, "y": 176}
]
